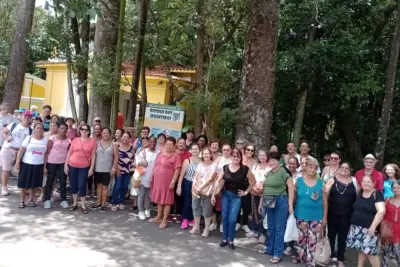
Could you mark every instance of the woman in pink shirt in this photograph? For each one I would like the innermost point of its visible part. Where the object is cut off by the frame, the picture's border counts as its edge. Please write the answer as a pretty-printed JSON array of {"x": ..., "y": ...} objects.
[
  {"x": 55, "y": 166},
  {"x": 71, "y": 133},
  {"x": 79, "y": 165}
]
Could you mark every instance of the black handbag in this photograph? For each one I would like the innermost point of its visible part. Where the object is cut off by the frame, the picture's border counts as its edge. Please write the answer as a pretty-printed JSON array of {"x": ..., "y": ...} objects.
[{"x": 269, "y": 201}]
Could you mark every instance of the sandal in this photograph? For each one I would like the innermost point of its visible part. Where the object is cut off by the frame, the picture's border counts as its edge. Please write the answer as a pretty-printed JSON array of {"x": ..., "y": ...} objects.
[
  {"x": 155, "y": 220},
  {"x": 296, "y": 261},
  {"x": 32, "y": 204},
  {"x": 73, "y": 207},
  {"x": 163, "y": 225},
  {"x": 275, "y": 260},
  {"x": 21, "y": 205},
  {"x": 84, "y": 211}
]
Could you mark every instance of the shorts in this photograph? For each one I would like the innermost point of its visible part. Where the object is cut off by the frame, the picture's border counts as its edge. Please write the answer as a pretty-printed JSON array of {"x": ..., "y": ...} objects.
[
  {"x": 7, "y": 158},
  {"x": 202, "y": 206},
  {"x": 102, "y": 178}
]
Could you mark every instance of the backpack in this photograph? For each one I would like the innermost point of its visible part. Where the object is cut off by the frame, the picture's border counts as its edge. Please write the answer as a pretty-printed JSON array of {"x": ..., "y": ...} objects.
[{"x": 14, "y": 125}]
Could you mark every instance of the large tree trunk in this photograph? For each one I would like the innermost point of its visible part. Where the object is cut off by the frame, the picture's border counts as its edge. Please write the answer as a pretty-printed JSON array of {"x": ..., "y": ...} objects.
[
  {"x": 144, "y": 89},
  {"x": 389, "y": 87},
  {"x": 258, "y": 74},
  {"x": 301, "y": 105},
  {"x": 69, "y": 73},
  {"x": 144, "y": 9},
  {"x": 200, "y": 33},
  {"x": 16, "y": 72},
  {"x": 82, "y": 64},
  {"x": 105, "y": 45},
  {"x": 118, "y": 62},
  {"x": 349, "y": 137}
]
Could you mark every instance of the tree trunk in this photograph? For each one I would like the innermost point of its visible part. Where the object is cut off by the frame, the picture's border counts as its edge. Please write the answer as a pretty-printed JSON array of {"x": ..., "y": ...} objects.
[
  {"x": 118, "y": 62},
  {"x": 301, "y": 106},
  {"x": 69, "y": 73},
  {"x": 82, "y": 63},
  {"x": 105, "y": 44},
  {"x": 16, "y": 72},
  {"x": 389, "y": 87},
  {"x": 200, "y": 33},
  {"x": 258, "y": 74},
  {"x": 144, "y": 89},
  {"x": 144, "y": 8},
  {"x": 349, "y": 137}
]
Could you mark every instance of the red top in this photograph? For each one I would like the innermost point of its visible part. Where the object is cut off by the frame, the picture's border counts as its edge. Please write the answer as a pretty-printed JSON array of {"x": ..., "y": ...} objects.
[
  {"x": 82, "y": 152},
  {"x": 390, "y": 216},
  {"x": 120, "y": 120},
  {"x": 185, "y": 155},
  {"x": 378, "y": 177}
]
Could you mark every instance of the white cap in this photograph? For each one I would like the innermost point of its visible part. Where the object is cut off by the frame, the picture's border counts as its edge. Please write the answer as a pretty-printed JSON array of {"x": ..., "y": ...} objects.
[{"x": 369, "y": 156}]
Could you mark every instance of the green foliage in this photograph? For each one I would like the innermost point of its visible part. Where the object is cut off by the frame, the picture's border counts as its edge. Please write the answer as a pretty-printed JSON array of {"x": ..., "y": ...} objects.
[{"x": 102, "y": 72}]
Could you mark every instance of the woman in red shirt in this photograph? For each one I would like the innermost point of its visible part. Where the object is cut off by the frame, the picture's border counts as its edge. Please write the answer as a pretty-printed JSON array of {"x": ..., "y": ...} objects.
[
  {"x": 392, "y": 217},
  {"x": 79, "y": 165}
]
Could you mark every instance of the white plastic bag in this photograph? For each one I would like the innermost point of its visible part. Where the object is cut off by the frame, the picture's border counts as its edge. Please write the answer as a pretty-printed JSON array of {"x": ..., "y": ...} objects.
[
  {"x": 134, "y": 192},
  {"x": 291, "y": 233},
  {"x": 265, "y": 222}
]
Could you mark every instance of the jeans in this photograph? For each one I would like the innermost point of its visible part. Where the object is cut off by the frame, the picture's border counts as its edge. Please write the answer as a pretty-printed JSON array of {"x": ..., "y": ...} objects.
[
  {"x": 144, "y": 198},
  {"x": 54, "y": 171},
  {"x": 120, "y": 188},
  {"x": 78, "y": 180},
  {"x": 187, "y": 212},
  {"x": 230, "y": 209},
  {"x": 338, "y": 226},
  {"x": 277, "y": 218},
  {"x": 246, "y": 207}
]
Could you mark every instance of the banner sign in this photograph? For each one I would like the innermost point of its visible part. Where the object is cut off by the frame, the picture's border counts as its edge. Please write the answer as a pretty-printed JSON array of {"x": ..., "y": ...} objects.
[{"x": 164, "y": 119}]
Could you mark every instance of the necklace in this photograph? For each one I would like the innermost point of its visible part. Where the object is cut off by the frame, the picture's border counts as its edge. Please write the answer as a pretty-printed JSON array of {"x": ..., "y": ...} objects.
[{"x": 337, "y": 188}]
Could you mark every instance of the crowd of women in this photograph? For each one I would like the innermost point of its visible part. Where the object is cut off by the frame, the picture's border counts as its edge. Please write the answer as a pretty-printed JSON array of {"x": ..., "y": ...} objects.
[{"x": 193, "y": 178}]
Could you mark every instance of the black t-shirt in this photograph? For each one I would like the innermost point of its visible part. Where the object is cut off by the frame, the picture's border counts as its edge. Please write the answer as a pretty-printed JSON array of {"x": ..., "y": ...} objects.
[
  {"x": 364, "y": 210},
  {"x": 235, "y": 181},
  {"x": 341, "y": 198}
]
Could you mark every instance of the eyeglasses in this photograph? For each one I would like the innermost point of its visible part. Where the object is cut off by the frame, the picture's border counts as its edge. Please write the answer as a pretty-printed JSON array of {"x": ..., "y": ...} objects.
[
  {"x": 84, "y": 129},
  {"x": 250, "y": 150},
  {"x": 238, "y": 143},
  {"x": 334, "y": 158},
  {"x": 97, "y": 121},
  {"x": 327, "y": 159}
]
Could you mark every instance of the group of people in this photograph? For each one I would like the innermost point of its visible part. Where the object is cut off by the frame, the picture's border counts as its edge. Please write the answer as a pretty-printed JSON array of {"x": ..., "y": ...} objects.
[{"x": 191, "y": 178}]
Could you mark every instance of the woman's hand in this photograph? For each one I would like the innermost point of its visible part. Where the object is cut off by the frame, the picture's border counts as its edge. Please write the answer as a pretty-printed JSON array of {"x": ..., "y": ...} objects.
[
  {"x": 66, "y": 170},
  {"x": 324, "y": 222},
  {"x": 179, "y": 190},
  {"x": 172, "y": 186},
  {"x": 371, "y": 231},
  {"x": 242, "y": 193},
  {"x": 118, "y": 173},
  {"x": 17, "y": 166},
  {"x": 213, "y": 200},
  {"x": 113, "y": 172},
  {"x": 144, "y": 164},
  {"x": 260, "y": 209},
  {"x": 290, "y": 209},
  {"x": 90, "y": 172},
  {"x": 45, "y": 172}
]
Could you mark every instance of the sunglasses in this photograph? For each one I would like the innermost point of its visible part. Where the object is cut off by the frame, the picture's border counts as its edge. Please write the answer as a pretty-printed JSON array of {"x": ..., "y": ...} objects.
[
  {"x": 84, "y": 129},
  {"x": 238, "y": 143},
  {"x": 334, "y": 158},
  {"x": 250, "y": 150},
  {"x": 327, "y": 159},
  {"x": 97, "y": 121}
]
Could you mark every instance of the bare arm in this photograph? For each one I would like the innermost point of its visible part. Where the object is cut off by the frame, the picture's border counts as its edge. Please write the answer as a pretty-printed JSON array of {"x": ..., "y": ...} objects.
[
  {"x": 21, "y": 152},
  {"x": 325, "y": 203},
  {"x": 175, "y": 177},
  {"x": 46, "y": 156},
  {"x": 324, "y": 172},
  {"x": 183, "y": 172},
  {"x": 219, "y": 180},
  {"x": 67, "y": 160},
  {"x": 380, "y": 212},
  {"x": 115, "y": 163},
  {"x": 289, "y": 183}
]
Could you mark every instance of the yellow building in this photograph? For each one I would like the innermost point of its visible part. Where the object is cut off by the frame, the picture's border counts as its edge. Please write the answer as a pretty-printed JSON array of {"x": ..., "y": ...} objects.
[{"x": 53, "y": 88}]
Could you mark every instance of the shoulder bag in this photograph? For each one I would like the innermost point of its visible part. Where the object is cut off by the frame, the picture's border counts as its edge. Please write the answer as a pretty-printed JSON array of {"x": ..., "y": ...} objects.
[{"x": 270, "y": 201}]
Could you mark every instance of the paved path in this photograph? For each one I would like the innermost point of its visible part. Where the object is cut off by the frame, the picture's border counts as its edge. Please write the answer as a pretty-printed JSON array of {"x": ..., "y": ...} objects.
[{"x": 61, "y": 238}]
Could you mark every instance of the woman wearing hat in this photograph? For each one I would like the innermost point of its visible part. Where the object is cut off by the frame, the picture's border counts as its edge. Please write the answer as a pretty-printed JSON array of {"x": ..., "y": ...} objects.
[{"x": 369, "y": 164}]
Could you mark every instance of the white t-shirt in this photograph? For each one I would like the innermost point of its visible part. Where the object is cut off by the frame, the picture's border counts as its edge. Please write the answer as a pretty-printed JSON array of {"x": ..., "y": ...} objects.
[
  {"x": 150, "y": 157},
  {"x": 35, "y": 150},
  {"x": 205, "y": 172},
  {"x": 18, "y": 135},
  {"x": 223, "y": 161},
  {"x": 4, "y": 122}
]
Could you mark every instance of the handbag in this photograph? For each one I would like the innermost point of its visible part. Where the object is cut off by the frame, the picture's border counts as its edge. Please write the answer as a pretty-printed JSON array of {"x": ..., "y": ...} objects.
[
  {"x": 323, "y": 251},
  {"x": 269, "y": 201},
  {"x": 207, "y": 190},
  {"x": 137, "y": 176}
]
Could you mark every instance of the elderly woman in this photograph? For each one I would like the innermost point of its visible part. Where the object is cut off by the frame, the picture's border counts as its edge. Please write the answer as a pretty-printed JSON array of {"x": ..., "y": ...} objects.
[
  {"x": 368, "y": 211},
  {"x": 165, "y": 175},
  {"x": 277, "y": 202},
  {"x": 31, "y": 161},
  {"x": 311, "y": 212}
]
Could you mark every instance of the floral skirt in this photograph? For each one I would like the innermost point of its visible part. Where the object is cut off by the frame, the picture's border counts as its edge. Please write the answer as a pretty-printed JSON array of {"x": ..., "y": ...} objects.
[{"x": 359, "y": 239}]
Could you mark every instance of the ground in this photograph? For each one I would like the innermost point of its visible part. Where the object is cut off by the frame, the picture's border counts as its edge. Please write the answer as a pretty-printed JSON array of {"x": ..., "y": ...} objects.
[{"x": 61, "y": 238}]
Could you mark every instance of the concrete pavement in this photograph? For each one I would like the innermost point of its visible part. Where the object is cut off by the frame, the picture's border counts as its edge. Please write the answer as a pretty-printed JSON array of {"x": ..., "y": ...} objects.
[{"x": 56, "y": 237}]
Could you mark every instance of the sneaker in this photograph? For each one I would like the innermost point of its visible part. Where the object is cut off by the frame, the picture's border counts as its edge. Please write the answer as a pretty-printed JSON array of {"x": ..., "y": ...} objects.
[
  {"x": 89, "y": 194},
  {"x": 221, "y": 228},
  {"x": 288, "y": 251},
  {"x": 103, "y": 209},
  {"x": 64, "y": 204},
  {"x": 94, "y": 207},
  {"x": 262, "y": 239},
  {"x": 185, "y": 224},
  {"x": 47, "y": 204},
  {"x": 213, "y": 227},
  {"x": 246, "y": 229},
  {"x": 237, "y": 226},
  {"x": 191, "y": 223},
  {"x": 252, "y": 234},
  {"x": 4, "y": 191},
  {"x": 114, "y": 208},
  {"x": 147, "y": 213},
  {"x": 142, "y": 216}
]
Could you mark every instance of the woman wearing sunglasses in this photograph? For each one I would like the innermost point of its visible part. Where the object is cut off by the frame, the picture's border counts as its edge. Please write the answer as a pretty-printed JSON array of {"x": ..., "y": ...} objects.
[
  {"x": 79, "y": 165},
  {"x": 333, "y": 168}
]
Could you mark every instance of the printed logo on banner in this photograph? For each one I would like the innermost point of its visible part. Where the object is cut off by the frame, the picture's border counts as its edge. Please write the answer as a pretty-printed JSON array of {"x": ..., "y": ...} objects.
[{"x": 164, "y": 119}]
